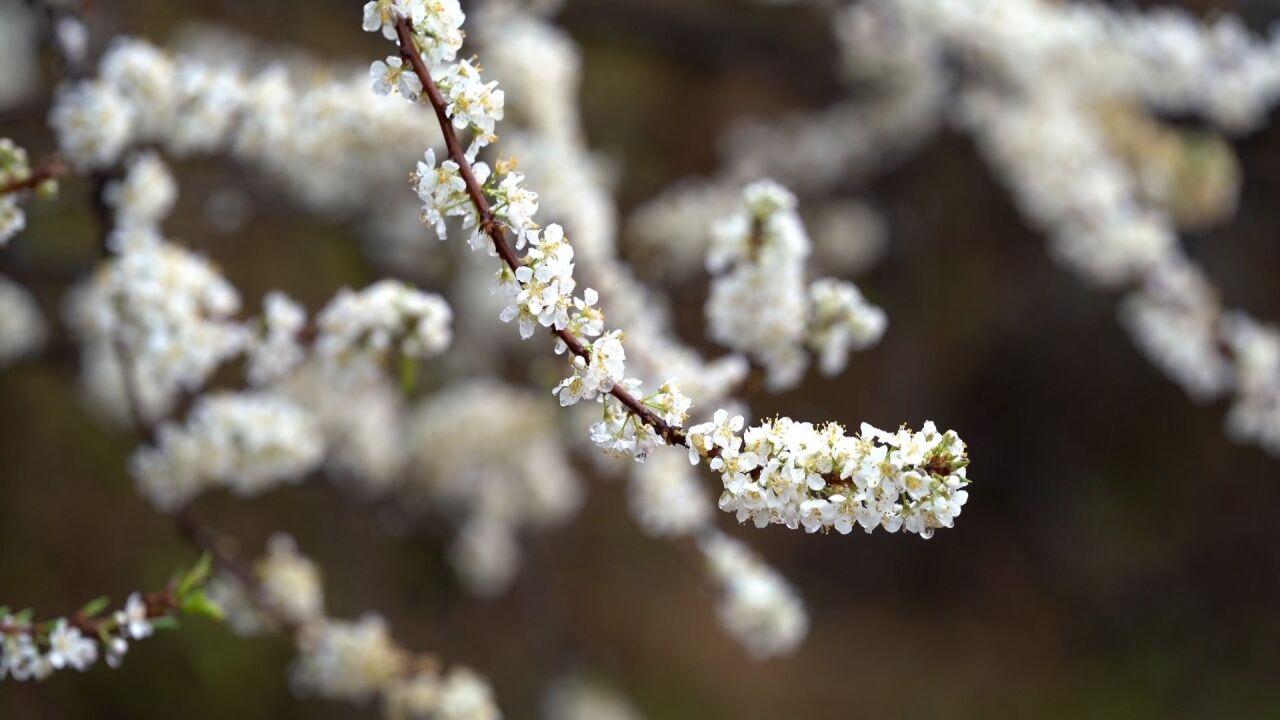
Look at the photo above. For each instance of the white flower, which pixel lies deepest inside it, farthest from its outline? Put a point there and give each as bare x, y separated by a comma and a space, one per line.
133, 620
759, 608
444, 193
841, 320
68, 648
247, 442
392, 74
346, 660
290, 581
92, 121
472, 103
147, 193
384, 315
758, 303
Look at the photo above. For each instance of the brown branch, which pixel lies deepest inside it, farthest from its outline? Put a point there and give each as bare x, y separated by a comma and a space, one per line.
494, 229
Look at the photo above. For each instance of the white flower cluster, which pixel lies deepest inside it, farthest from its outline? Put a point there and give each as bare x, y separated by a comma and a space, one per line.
361, 414
758, 302
384, 316
92, 120
491, 455
1174, 319
289, 582
797, 474
328, 142
274, 350
355, 660
622, 434
1055, 157
145, 196
346, 660
34, 652
758, 607
246, 442
437, 24
473, 104
22, 327
841, 320
14, 167
167, 311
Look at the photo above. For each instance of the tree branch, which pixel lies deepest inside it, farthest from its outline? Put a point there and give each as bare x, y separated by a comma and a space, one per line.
494, 229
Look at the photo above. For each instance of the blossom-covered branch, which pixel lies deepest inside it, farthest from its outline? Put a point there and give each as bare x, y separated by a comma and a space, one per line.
541, 285
33, 650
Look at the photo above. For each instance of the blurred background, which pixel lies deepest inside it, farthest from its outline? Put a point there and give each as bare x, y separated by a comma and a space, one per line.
1118, 556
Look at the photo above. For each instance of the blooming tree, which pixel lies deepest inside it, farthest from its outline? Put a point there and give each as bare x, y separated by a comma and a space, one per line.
221, 396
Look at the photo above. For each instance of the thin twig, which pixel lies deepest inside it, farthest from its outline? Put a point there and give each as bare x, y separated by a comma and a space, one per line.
494, 229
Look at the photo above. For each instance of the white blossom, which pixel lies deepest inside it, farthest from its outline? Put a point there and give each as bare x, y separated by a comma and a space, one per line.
147, 193
92, 120
385, 316
248, 443
758, 606
69, 648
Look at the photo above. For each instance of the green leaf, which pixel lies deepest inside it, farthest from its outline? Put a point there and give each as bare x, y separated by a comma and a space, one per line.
165, 623
95, 606
24, 616
196, 575
198, 603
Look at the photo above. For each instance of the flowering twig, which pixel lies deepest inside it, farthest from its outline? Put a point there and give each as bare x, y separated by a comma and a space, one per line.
51, 169
494, 229
89, 621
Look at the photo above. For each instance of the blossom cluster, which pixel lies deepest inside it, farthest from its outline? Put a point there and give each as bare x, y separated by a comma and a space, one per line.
757, 606
490, 455
319, 133
163, 310
759, 304
798, 474
14, 168
384, 313
246, 442
351, 660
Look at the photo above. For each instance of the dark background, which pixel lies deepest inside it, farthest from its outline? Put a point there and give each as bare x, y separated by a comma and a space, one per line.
1118, 557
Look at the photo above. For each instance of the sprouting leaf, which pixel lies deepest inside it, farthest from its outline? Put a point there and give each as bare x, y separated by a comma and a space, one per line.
95, 606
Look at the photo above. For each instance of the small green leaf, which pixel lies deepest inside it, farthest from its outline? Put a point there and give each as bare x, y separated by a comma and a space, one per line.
196, 575
95, 606
24, 616
165, 623
198, 603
